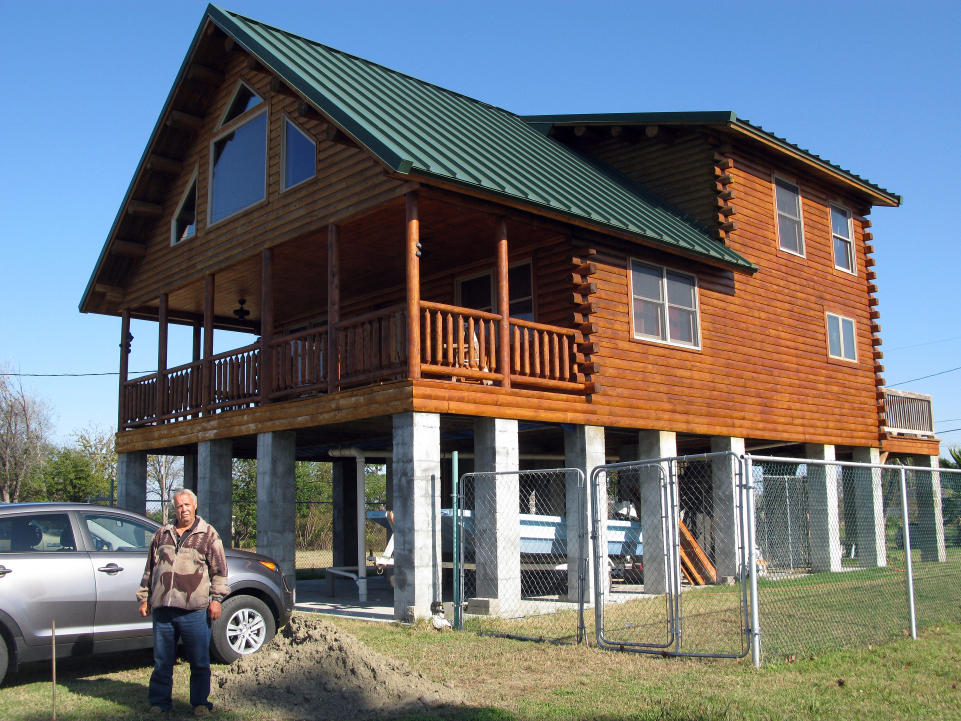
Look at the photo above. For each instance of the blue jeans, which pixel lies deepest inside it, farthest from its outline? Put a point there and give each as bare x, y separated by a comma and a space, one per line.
192, 628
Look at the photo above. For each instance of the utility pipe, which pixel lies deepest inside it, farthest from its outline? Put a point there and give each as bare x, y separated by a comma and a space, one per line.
361, 517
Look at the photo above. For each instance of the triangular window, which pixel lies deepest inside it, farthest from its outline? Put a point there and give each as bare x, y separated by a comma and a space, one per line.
300, 155
184, 223
244, 99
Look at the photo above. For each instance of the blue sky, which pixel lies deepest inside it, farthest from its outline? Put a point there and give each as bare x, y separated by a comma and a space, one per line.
871, 86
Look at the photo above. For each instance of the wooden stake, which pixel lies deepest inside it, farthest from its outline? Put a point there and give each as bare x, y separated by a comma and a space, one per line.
53, 644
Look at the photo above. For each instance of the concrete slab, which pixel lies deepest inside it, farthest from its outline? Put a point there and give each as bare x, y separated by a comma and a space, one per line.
313, 597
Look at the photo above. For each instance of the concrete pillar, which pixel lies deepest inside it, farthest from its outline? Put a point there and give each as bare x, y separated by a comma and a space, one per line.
417, 547
497, 536
864, 485
823, 509
725, 518
389, 485
215, 487
132, 481
583, 449
190, 472
930, 533
655, 444
276, 512
345, 511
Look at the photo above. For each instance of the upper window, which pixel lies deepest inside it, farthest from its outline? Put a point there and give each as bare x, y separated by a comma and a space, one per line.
790, 232
244, 99
238, 163
664, 304
299, 156
184, 223
843, 242
841, 337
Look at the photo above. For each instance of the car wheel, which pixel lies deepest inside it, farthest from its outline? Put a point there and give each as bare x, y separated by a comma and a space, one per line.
4, 658
244, 626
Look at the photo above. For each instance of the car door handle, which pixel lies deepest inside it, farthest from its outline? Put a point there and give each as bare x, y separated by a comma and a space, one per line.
4, 571
111, 568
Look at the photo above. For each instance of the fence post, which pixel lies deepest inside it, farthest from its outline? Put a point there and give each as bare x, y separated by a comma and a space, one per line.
455, 551
752, 560
908, 570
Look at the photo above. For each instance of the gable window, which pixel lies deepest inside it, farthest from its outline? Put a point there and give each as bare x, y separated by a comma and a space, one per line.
299, 156
479, 292
664, 304
184, 223
238, 158
842, 236
790, 232
841, 342
244, 99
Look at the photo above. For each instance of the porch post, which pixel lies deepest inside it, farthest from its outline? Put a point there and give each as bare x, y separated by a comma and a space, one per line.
503, 304
124, 366
413, 287
266, 324
161, 357
333, 306
196, 373
207, 388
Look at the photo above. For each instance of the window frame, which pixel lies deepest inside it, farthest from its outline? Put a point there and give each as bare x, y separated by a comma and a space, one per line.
665, 305
802, 252
854, 337
853, 269
231, 127
223, 123
192, 184
283, 154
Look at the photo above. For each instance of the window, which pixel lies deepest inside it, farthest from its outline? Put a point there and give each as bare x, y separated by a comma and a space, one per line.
184, 223
238, 157
479, 292
118, 534
841, 337
841, 233
300, 156
790, 232
36, 533
665, 304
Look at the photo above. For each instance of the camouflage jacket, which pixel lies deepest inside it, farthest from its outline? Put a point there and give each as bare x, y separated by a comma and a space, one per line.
185, 571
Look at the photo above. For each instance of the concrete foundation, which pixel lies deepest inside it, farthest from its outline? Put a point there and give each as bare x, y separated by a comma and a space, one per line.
863, 486
497, 537
345, 511
190, 472
930, 533
725, 516
132, 481
214, 487
416, 489
584, 450
276, 515
652, 445
823, 509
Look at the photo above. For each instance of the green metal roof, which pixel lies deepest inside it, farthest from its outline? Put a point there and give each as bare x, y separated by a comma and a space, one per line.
725, 118
419, 129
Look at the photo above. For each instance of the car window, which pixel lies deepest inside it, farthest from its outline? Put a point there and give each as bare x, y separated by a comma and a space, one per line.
37, 532
118, 534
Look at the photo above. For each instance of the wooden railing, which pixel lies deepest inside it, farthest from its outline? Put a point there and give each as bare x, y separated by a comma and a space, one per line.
908, 413
372, 347
456, 344
459, 342
299, 363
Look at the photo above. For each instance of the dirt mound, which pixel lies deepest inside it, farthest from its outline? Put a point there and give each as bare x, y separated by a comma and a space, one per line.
313, 670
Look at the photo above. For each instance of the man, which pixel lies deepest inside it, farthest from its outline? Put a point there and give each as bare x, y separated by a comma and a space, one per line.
183, 584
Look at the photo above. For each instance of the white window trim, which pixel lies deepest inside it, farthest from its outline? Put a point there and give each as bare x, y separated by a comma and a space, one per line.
853, 270
174, 240
777, 213
667, 327
235, 124
854, 329
223, 118
492, 274
283, 154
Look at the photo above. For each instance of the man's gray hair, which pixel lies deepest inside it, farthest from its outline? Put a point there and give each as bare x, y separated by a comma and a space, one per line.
183, 492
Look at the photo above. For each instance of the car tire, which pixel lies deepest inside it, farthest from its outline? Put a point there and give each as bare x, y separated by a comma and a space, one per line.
4, 658
244, 626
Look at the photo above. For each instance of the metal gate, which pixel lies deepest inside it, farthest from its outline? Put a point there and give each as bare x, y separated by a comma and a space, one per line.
670, 553
519, 551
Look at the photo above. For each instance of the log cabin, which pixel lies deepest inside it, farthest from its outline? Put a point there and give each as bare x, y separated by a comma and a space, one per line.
420, 273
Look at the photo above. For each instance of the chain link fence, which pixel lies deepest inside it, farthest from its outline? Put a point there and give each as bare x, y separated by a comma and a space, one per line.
521, 552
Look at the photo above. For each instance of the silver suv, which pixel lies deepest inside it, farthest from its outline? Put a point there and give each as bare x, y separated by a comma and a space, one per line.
80, 565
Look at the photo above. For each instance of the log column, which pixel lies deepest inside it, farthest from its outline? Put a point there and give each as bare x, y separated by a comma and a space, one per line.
413, 287
503, 304
125, 340
266, 324
333, 306
161, 357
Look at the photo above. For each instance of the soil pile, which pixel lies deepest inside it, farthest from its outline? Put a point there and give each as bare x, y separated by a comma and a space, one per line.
314, 671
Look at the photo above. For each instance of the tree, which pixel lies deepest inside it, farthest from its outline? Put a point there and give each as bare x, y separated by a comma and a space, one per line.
24, 427
69, 475
97, 446
954, 461
244, 471
951, 497
163, 474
